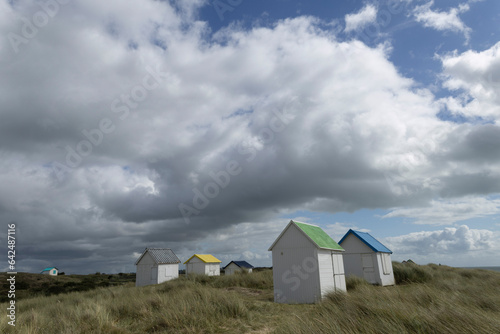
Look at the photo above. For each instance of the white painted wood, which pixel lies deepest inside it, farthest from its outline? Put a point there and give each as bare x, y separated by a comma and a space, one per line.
360, 260
197, 266
148, 272
302, 272
232, 268
386, 278
352, 244
368, 268
167, 272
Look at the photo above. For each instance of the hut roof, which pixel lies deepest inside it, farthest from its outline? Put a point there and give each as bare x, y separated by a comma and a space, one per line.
241, 264
207, 258
370, 241
49, 269
161, 256
313, 233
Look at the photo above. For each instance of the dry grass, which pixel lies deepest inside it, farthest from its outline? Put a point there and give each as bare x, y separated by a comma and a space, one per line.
30, 285
429, 299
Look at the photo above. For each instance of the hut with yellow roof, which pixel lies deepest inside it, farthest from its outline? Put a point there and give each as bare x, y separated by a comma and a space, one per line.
203, 264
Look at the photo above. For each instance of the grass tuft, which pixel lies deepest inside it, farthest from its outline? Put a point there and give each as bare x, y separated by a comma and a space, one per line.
405, 273
354, 282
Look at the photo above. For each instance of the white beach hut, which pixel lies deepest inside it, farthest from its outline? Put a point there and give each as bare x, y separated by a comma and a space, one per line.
155, 266
237, 266
203, 264
307, 264
367, 258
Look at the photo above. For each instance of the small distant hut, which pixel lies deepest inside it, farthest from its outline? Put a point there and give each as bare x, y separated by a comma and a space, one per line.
237, 266
307, 264
367, 258
52, 271
203, 264
156, 265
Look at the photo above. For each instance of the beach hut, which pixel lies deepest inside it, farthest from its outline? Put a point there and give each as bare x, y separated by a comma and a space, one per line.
52, 271
307, 264
155, 266
237, 266
367, 258
203, 264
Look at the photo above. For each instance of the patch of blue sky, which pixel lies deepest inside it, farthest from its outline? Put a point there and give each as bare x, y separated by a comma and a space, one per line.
445, 115
264, 12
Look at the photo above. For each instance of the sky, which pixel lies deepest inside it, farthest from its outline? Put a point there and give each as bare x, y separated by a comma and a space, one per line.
205, 126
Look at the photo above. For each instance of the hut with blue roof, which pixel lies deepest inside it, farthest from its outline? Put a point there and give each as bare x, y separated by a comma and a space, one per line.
368, 258
237, 266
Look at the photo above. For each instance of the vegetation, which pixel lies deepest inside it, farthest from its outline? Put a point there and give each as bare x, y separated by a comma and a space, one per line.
32, 285
427, 299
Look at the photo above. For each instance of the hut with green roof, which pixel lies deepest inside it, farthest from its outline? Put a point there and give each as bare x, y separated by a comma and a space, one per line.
307, 264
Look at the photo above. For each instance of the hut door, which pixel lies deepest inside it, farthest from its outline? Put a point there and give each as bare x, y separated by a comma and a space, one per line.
368, 268
338, 271
154, 274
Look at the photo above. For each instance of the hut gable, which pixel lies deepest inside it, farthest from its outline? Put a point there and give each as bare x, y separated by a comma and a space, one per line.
314, 237
307, 264
156, 265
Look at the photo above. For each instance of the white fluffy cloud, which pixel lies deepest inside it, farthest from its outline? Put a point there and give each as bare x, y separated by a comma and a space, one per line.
443, 21
454, 246
477, 75
359, 20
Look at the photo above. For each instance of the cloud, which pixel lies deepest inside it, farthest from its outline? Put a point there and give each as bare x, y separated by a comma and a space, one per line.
453, 246
147, 109
359, 20
445, 212
337, 230
443, 21
477, 75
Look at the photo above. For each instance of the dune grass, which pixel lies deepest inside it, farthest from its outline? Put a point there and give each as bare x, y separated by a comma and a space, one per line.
30, 285
427, 299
